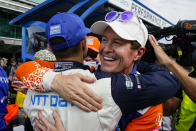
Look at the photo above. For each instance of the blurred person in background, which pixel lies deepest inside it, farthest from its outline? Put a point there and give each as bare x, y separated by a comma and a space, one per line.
4, 86
19, 61
13, 69
186, 114
13, 66
6, 66
7, 112
4, 63
20, 96
22, 89
1, 62
92, 59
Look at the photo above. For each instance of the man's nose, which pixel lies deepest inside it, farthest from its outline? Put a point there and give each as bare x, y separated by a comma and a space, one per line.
107, 47
88, 58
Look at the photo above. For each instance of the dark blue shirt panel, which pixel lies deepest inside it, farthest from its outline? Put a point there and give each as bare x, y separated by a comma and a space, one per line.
144, 67
156, 87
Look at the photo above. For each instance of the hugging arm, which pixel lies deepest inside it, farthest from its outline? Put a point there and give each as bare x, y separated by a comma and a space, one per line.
155, 88
71, 87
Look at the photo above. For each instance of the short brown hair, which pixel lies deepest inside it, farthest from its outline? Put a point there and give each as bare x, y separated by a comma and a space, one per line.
135, 45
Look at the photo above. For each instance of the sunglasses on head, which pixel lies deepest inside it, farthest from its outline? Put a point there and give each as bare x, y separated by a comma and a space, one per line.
122, 16
92, 54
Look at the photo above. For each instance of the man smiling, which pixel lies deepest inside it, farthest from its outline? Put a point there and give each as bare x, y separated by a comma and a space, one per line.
122, 93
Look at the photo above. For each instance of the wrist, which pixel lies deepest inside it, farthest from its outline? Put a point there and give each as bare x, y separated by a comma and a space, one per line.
54, 83
48, 80
170, 64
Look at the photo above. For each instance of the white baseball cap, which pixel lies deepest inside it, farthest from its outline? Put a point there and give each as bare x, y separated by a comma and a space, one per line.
132, 29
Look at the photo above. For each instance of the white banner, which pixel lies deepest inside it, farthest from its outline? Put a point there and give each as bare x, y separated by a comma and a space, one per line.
123, 4
148, 15
142, 12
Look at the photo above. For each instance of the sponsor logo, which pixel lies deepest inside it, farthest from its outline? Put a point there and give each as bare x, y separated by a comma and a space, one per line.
49, 100
89, 41
3, 99
3, 80
128, 82
159, 119
55, 29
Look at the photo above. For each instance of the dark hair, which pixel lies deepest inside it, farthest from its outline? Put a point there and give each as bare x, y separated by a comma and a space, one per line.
66, 52
13, 59
135, 45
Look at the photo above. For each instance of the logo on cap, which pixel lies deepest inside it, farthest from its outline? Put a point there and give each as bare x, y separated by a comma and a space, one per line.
55, 29
90, 41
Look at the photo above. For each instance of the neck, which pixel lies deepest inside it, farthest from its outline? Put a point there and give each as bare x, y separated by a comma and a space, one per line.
128, 70
77, 58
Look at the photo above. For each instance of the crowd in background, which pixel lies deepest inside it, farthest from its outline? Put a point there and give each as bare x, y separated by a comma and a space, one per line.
10, 66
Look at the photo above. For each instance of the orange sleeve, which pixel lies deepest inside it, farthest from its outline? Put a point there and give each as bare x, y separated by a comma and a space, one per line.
32, 72
12, 113
150, 121
46, 63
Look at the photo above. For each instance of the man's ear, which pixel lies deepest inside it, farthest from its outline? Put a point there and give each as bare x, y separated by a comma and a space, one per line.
84, 44
84, 47
140, 53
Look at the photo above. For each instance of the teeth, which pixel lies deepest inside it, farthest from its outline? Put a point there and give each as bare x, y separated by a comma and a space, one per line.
108, 58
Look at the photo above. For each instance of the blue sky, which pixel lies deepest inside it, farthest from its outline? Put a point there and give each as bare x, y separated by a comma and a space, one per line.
173, 10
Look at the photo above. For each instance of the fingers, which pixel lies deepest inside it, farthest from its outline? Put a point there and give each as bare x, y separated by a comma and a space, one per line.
58, 122
158, 50
45, 125
19, 86
18, 89
81, 106
43, 119
17, 83
86, 79
56, 117
73, 89
90, 96
85, 97
162, 58
83, 103
152, 40
39, 126
78, 101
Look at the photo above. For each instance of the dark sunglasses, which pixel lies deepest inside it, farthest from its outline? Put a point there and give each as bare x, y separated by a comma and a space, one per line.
92, 54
